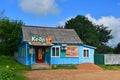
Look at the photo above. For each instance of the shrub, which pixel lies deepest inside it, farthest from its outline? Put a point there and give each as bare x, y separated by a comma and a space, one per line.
8, 73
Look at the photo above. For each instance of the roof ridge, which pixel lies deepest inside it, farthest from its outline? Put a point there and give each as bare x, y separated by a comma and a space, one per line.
45, 27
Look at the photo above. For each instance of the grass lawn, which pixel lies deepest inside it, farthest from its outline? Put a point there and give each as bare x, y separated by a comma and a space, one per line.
64, 67
20, 69
110, 67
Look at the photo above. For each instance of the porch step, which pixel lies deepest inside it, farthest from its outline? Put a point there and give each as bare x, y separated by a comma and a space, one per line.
41, 66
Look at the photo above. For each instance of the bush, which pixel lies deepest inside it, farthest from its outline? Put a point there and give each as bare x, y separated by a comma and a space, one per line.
8, 74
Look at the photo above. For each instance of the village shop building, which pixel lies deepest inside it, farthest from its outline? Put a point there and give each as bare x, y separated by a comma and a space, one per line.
52, 46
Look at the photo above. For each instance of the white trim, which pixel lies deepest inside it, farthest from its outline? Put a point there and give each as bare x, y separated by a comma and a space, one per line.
88, 53
55, 51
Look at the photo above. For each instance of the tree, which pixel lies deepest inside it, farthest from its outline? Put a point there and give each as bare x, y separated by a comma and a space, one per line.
117, 49
9, 35
90, 34
104, 33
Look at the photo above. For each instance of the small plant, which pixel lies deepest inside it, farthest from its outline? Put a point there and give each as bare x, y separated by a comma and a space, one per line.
8, 74
64, 66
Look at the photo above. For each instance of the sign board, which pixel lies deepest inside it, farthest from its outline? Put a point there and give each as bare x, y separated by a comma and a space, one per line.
38, 40
72, 51
31, 50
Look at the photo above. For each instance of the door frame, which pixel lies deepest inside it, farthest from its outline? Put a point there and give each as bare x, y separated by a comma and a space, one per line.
42, 55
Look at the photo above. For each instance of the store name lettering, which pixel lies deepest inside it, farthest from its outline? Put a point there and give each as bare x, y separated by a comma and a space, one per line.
38, 39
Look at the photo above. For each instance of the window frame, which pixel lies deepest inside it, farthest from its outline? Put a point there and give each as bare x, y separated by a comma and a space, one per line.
86, 55
55, 47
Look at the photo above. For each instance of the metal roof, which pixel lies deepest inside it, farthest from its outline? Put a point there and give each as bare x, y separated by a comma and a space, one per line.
57, 35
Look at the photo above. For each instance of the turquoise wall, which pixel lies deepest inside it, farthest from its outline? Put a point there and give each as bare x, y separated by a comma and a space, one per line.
47, 55
47, 52
86, 60
31, 58
74, 60
63, 59
63, 53
23, 58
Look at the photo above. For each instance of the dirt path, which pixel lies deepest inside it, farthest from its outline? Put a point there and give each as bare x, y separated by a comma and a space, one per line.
72, 75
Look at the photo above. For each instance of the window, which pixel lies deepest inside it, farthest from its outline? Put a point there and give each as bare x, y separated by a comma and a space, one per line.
55, 51
86, 53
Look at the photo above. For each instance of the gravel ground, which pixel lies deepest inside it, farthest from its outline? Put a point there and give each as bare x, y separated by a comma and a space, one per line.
86, 71
72, 75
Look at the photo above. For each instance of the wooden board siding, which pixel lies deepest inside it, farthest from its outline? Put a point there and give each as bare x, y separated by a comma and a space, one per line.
63, 53
86, 60
47, 52
22, 56
74, 60
64, 60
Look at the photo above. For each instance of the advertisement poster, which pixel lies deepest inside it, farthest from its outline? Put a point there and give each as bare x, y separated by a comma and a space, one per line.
72, 51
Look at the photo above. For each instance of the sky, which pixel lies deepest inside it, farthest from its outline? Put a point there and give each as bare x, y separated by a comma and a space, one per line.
51, 13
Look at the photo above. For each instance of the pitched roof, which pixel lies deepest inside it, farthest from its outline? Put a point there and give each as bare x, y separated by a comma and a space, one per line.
57, 35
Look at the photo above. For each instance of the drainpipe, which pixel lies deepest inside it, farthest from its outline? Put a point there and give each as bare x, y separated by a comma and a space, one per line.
50, 57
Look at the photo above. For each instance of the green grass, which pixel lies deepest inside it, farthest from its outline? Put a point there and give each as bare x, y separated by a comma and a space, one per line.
64, 67
20, 69
110, 67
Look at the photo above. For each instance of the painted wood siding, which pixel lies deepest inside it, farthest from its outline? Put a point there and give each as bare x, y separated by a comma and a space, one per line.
62, 53
63, 59
82, 59
22, 57
47, 55
31, 56
74, 60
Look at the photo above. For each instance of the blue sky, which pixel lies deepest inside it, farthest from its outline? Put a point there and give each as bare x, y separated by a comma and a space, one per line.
57, 12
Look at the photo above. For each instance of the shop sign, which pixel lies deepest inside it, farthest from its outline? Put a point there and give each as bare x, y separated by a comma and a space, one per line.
38, 39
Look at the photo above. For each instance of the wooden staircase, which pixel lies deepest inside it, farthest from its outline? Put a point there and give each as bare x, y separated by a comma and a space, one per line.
41, 66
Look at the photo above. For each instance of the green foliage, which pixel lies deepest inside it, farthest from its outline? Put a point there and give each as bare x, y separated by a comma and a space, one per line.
90, 34
110, 67
19, 68
104, 49
9, 35
8, 74
64, 67
104, 33
117, 49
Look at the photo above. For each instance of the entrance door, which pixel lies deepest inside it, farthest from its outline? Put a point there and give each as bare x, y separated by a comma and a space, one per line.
39, 55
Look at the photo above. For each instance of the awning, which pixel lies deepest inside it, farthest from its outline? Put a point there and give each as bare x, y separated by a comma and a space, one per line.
39, 44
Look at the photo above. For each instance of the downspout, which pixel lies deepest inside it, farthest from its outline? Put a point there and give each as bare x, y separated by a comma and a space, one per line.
50, 56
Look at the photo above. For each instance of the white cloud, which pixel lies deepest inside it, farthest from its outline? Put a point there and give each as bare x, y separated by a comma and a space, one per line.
39, 7
62, 23
112, 23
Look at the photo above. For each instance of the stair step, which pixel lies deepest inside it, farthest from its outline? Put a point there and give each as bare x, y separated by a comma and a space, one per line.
41, 66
